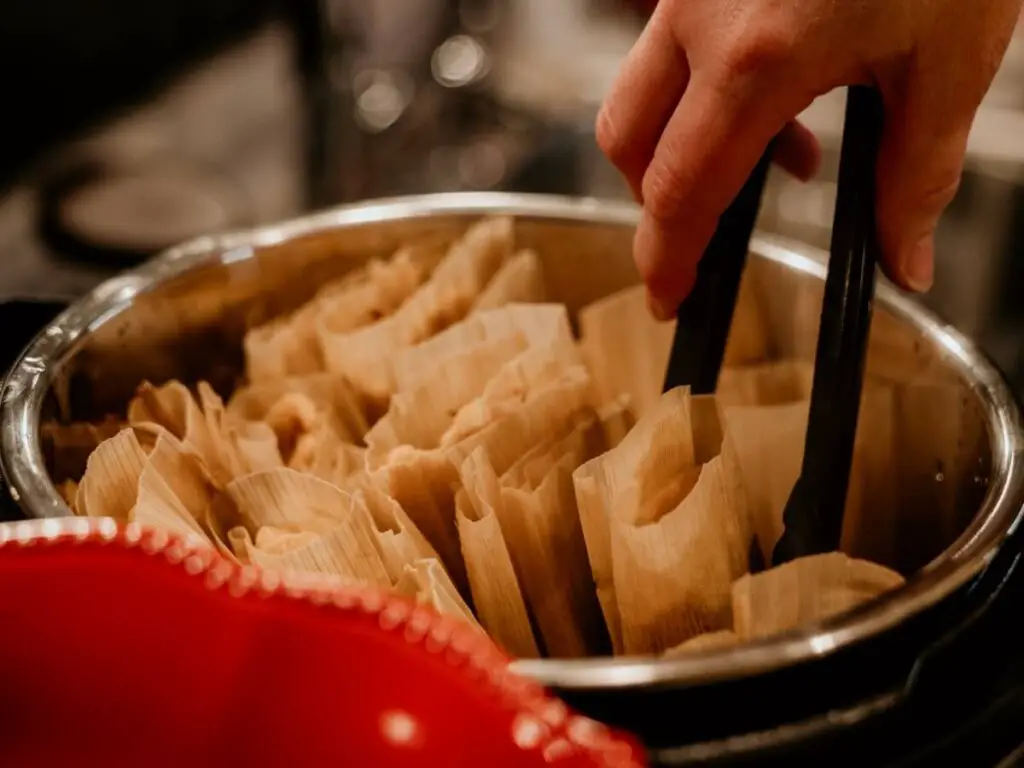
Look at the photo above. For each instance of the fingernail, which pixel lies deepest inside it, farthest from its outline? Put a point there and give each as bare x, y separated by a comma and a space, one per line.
662, 310
918, 269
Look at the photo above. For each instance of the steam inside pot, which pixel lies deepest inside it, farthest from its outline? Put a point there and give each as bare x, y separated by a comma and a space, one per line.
431, 423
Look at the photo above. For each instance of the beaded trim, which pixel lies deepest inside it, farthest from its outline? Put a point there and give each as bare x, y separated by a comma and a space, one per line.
541, 723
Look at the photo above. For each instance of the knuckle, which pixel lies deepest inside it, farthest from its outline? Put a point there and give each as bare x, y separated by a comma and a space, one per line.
664, 191
917, 194
769, 49
672, 189
943, 188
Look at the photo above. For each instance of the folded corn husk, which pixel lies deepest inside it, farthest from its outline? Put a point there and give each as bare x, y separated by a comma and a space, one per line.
803, 591
315, 527
461, 412
292, 407
363, 355
226, 447
401, 543
322, 453
625, 348
711, 641
534, 505
427, 582
436, 379
905, 461
166, 488
499, 600
290, 347
666, 536
520, 280
538, 324
420, 416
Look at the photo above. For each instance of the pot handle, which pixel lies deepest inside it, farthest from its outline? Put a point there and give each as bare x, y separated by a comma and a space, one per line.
21, 319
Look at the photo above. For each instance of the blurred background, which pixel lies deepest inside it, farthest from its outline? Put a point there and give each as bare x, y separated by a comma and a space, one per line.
129, 125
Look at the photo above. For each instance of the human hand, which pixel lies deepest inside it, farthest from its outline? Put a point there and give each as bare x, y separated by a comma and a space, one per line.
711, 82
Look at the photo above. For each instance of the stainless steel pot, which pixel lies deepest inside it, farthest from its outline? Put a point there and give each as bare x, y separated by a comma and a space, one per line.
184, 313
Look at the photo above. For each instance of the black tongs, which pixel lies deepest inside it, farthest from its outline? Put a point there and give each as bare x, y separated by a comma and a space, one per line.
703, 320
813, 515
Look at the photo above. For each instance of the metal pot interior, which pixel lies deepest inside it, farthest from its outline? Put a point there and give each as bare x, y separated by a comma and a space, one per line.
184, 314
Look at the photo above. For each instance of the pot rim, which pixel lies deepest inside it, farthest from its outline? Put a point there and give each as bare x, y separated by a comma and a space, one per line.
22, 463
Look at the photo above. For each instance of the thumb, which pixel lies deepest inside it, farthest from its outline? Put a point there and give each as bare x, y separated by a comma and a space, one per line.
919, 167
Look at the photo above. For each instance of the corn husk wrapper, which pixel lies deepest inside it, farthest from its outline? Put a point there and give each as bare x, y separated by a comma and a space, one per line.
283, 497
538, 528
765, 445
289, 346
240, 542
539, 325
628, 350
422, 480
666, 536
364, 356
293, 407
909, 473
157, 490
173, 408
238, 447
427, 583
499, 601
419, 417
157, 506
534, 369
437, 378
520, 280
382, 289
323, 454
220, 518
711, 641
399, 541
314, 526
806, 590
625, 348
226, 447
282, 348
540, 522
346, 551
110, 485
703, 538
507, 531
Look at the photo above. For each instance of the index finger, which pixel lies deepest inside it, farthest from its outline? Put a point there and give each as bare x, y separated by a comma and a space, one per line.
708, 149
